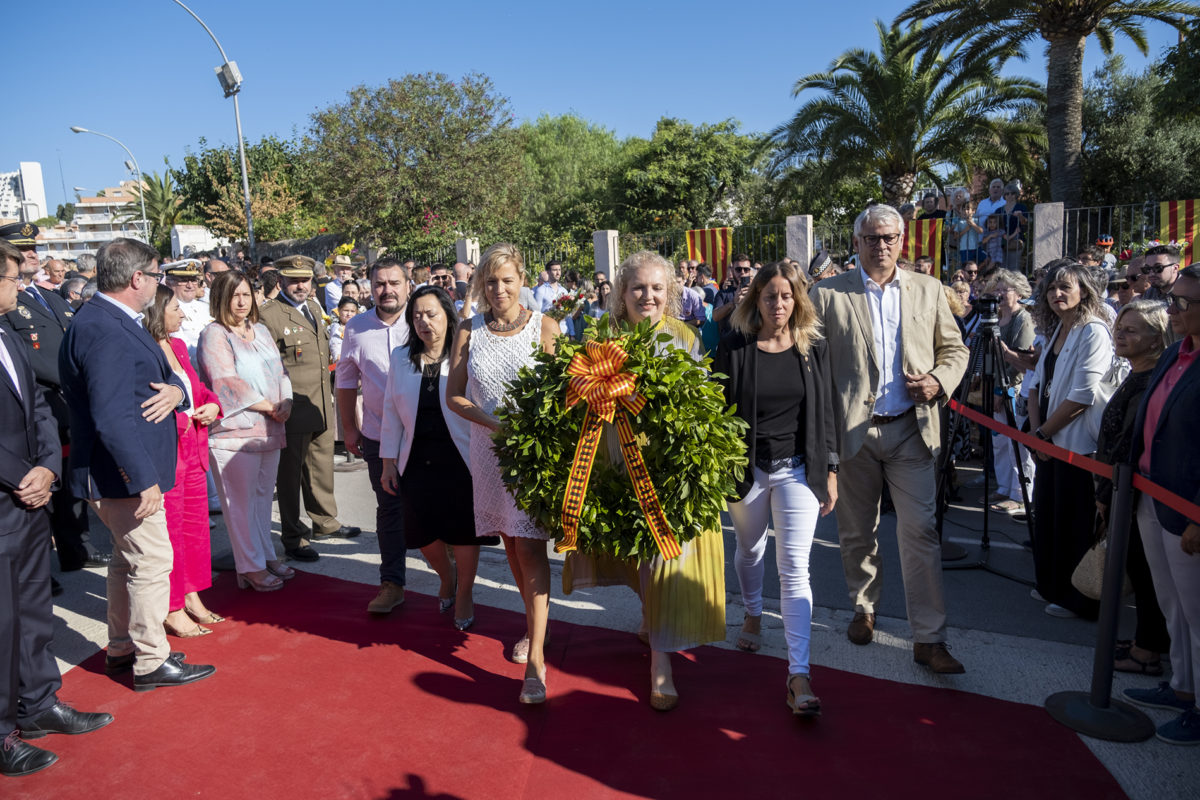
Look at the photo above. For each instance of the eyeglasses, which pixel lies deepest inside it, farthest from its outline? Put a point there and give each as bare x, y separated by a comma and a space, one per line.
158, 277
1179, 301
1157, 269
744, 270
440, 278
886, 238
14, 278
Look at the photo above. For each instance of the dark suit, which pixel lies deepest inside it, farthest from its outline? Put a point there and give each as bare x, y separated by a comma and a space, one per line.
306, 464
42, 331
29, 677
108, 362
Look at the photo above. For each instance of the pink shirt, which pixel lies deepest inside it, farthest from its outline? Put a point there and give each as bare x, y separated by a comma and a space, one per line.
366, 356
1158, 400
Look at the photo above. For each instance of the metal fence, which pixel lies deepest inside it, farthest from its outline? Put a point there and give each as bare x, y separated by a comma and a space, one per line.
1128, 224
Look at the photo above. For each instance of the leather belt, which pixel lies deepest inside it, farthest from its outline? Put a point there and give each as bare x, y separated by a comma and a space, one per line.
879, 419
773, 465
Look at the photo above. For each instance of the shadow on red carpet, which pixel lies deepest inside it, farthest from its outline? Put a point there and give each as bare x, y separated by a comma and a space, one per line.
312, 698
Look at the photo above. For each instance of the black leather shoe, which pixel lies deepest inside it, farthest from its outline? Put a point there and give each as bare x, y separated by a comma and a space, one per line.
304, 553
18, 758
55, 590
344, 532
115, 665
172, 672
64, 719
98, 559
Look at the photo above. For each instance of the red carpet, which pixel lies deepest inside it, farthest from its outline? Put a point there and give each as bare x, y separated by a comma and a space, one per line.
314, 699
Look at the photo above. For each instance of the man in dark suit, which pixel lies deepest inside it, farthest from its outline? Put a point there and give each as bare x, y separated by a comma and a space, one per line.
120, 389
306, 463
40, 320
30, 462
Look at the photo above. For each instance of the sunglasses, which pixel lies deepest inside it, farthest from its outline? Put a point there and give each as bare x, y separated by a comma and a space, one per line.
1157, 269
1179, 301
886, 238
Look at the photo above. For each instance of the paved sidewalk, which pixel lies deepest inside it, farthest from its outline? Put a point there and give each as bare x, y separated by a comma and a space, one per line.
1011, 649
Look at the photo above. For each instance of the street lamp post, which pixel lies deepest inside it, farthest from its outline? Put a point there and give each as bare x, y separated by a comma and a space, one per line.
136, 169
230, 79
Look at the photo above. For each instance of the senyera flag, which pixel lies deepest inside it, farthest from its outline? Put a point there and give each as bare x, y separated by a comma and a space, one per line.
923, 237
713, 246
1177, 223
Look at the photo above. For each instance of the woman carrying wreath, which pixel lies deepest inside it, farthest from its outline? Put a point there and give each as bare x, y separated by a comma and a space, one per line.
683, 599
778, 378
489, 349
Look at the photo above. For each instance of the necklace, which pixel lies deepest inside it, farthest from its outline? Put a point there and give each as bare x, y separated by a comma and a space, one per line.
504, 327
431, 371
244, 332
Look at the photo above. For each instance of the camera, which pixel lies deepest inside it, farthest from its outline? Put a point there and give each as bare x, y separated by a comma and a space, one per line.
988, 308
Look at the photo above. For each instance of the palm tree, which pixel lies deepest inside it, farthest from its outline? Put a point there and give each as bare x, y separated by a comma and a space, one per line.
906, 111
1065, 25
163, 208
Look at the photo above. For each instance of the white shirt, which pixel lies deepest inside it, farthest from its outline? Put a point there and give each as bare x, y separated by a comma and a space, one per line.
365, 359
195, 319
136, 316
883, 303
987, 207
333, 296
547, 293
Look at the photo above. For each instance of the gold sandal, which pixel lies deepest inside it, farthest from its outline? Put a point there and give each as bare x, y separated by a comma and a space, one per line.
803, 705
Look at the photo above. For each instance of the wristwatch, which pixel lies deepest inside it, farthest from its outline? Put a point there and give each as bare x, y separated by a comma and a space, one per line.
1038, 433
833, 468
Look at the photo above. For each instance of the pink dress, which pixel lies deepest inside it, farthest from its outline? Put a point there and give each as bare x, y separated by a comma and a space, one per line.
186, 505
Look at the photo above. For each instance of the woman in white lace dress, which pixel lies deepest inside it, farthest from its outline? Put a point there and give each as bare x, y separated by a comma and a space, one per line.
489, 349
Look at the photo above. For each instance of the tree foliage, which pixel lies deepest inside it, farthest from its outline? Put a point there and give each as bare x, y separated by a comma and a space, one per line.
1179, 94
1065, 25
65, 212
164, 207
906, 113
683, 176
210, 184
415, 161
1130, 152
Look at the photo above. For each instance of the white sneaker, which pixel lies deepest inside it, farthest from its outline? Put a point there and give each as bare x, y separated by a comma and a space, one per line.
1055, 610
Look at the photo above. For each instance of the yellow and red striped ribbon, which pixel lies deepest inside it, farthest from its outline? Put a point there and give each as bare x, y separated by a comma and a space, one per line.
1177, 223
597, 379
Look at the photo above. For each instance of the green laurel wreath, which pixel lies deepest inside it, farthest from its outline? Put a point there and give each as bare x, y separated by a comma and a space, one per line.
691, 443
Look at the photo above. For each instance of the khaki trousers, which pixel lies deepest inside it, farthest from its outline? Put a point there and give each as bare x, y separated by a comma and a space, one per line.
895, 453
139, 582
306, 467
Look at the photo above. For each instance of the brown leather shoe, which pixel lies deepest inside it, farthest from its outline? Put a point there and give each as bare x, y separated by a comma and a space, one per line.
390, 595
937, 657
862, 628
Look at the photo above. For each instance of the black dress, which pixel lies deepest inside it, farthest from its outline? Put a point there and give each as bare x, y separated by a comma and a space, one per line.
436, 484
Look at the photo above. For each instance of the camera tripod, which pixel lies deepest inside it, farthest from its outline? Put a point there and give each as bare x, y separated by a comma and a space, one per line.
987, 354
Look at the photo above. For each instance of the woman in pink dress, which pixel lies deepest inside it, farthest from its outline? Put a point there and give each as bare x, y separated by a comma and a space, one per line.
186, 504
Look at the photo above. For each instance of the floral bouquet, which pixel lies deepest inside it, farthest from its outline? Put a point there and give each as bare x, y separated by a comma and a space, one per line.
680, 444
1139, 248
566, 305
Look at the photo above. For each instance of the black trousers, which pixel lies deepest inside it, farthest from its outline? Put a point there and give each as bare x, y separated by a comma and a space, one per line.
69, 523
29, 676
1064, 518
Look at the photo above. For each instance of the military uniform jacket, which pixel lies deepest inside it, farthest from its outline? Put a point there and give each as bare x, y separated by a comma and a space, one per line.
305, 355
42, 333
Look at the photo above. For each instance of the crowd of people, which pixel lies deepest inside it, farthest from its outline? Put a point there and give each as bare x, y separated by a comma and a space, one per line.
192, 386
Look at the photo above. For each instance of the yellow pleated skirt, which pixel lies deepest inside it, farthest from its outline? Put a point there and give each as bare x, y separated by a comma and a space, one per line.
683, 599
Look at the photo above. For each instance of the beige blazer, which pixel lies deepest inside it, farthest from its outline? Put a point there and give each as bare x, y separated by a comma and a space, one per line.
930, 342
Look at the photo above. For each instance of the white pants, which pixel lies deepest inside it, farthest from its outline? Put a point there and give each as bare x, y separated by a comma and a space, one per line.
245, 484
1008, 480
785, 496
1177, 583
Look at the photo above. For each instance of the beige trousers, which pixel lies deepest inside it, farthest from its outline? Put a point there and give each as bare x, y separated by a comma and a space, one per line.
895, 453
139, 582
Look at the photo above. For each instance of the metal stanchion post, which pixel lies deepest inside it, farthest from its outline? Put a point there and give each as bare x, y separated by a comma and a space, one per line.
1095, 713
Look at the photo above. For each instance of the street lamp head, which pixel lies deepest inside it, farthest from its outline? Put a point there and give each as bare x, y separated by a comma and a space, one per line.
78, 129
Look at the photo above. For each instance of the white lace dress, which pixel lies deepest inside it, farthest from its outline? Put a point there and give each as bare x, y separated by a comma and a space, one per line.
493, 361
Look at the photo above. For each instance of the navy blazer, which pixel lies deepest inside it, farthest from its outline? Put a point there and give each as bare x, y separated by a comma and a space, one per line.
28, 437
1174, 455
107, 364
737, 359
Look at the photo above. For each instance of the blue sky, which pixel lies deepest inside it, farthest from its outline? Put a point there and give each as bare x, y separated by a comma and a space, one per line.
143, 72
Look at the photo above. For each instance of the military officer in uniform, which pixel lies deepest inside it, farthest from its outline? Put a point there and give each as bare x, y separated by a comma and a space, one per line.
306, 463
40, 320
183, 278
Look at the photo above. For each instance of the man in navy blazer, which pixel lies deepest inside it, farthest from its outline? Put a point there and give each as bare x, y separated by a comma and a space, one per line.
30, 462
120, 390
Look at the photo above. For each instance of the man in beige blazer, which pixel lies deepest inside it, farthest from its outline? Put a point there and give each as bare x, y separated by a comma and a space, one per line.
896, 355
306, 463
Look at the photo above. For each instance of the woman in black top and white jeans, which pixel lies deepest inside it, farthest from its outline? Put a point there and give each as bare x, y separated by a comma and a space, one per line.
777, 376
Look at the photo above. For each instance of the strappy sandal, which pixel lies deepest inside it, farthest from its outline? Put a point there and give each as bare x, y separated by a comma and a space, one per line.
1125, 661
803, 705
211, 619
749, 642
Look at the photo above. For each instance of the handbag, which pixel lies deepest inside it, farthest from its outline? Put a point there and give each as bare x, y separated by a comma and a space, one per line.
1088, 576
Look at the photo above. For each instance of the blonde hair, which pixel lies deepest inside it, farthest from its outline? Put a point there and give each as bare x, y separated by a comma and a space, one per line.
1009, 278
632, 263
803, 322
956, 304
493, 258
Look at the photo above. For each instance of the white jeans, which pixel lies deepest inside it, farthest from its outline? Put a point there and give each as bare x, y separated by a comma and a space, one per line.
785, 496
245, 484
1176, 578
1008, 480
